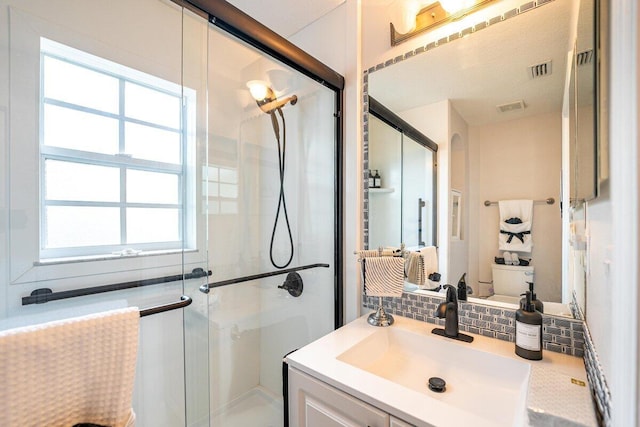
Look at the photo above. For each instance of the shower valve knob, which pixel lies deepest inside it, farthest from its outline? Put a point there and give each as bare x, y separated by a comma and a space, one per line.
293, 284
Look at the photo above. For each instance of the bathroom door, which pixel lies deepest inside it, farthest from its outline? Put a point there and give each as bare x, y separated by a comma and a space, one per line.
271, 190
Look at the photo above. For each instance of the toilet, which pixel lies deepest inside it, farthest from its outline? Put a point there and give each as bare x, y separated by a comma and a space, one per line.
510, 281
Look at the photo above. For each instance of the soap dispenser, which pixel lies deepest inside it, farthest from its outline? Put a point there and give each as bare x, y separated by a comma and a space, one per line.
372, 181
528, 331
376, 180
462, 288
537, 304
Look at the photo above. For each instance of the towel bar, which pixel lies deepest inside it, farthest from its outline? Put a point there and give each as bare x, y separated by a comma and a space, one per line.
184, 301
548, 201
207, 286
43, 295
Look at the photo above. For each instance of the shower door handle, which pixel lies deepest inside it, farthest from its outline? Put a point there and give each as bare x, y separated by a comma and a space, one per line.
421, 204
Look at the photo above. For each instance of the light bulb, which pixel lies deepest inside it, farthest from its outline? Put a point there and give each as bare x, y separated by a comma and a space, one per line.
454, 6
404, 15
259, 89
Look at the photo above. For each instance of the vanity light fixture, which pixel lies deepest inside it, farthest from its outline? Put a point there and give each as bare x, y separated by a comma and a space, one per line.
434, 14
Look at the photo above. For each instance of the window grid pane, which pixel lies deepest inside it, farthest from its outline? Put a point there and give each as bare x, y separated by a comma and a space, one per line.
78, 226
79, 85
80, 182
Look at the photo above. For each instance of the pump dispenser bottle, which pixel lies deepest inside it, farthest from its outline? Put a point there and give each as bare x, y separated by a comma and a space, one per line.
537, 304
529, 331
462, 288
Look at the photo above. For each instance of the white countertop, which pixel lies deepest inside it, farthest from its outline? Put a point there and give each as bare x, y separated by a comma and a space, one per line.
558, 393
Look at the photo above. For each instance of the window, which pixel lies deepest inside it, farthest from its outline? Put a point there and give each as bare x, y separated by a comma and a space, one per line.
112, 157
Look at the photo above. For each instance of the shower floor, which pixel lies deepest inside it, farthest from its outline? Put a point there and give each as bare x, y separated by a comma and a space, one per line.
257, 407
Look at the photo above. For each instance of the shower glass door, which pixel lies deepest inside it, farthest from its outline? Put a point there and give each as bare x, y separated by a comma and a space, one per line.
102, 133
270, 191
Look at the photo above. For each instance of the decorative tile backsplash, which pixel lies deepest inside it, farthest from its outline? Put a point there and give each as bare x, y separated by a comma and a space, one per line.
559, 335
597, 381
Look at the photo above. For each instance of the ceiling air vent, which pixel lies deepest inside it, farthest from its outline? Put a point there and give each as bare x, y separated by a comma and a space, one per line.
540, 70
585, 57
511, 106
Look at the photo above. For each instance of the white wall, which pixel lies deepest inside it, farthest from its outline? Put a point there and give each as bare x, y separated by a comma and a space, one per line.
517, 159
612, 222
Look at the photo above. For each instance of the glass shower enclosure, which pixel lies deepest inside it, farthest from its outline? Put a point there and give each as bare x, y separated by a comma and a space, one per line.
139, 170
270, 197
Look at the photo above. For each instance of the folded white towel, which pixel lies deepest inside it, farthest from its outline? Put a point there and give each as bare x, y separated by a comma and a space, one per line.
430, 256
78, 370
414, 268
383, 276
515, 237
371, 253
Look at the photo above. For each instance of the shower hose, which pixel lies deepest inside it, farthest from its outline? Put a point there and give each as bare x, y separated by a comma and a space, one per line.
282, 203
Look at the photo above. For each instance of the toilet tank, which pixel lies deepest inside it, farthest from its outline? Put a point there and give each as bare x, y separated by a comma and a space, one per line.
511, 279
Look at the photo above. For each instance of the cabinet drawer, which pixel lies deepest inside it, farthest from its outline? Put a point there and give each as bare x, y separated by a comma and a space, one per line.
395, 422
313, 403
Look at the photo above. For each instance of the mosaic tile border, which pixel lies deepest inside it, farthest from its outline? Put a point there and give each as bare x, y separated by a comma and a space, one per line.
558, 334
597, 381
365, 90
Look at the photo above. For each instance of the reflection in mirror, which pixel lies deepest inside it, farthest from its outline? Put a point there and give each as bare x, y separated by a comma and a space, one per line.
583, 178
385, 206
418, 194
401, 187
502, 93
456, 210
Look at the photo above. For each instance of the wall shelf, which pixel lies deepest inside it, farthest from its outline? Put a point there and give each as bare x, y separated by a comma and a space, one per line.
381, 190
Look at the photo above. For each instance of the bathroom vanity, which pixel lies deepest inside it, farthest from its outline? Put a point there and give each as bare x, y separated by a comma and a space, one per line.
375, 377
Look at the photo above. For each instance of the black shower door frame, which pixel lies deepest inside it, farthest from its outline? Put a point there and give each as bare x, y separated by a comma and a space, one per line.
240, 25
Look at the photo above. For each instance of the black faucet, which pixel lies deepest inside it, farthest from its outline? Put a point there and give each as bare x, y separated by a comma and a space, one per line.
449, 311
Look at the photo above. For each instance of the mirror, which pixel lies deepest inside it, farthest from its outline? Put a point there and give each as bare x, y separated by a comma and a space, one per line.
501, 92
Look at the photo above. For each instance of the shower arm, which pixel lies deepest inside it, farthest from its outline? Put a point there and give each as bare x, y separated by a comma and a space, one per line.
271, 106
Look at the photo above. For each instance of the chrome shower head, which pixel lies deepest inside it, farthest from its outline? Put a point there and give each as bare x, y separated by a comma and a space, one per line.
266, 98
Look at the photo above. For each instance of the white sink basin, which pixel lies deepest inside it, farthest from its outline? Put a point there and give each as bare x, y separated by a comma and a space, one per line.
487, 386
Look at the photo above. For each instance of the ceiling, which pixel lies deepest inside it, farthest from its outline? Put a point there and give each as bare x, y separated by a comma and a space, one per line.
486, 69
286, 17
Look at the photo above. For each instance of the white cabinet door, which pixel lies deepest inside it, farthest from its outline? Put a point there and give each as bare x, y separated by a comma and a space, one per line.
313, 403
395, 422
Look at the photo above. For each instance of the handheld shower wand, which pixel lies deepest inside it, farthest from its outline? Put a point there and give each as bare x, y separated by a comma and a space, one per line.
268, 103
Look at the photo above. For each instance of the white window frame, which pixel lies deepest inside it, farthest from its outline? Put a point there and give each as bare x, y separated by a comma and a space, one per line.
186, 237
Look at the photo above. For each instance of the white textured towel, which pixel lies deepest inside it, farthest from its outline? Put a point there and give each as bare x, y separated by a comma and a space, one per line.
383, 276
78, 370
509, 238
414, 268
371, 253
430, 256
